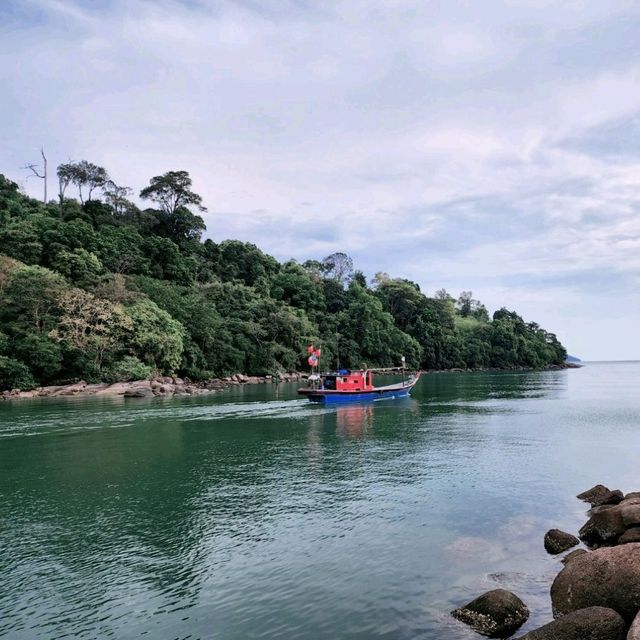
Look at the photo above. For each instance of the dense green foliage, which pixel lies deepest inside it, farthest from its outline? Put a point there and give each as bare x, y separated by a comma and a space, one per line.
101, 290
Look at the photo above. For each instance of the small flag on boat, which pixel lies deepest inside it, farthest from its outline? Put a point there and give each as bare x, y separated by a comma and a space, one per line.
310, 349
313, 360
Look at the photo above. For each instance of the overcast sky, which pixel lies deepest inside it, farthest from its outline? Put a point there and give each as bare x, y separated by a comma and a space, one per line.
485, 146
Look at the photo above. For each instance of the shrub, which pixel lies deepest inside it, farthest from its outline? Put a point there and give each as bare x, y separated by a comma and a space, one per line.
15, 375
129, 368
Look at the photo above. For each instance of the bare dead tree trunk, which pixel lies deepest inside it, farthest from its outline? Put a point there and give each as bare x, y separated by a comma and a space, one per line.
35, 172
45, 174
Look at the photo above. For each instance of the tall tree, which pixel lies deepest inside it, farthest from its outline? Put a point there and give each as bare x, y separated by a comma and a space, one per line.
338, 266
90, 175
118, 197
467, 306
66, 173
81, 174
171, 191
91, 325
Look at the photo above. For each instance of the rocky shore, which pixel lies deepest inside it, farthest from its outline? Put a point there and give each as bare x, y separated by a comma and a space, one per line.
596, 596
163, 386
171, 386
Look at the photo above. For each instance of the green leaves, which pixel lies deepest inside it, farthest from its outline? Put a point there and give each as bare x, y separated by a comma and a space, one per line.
155, 337
105, 291
15, 375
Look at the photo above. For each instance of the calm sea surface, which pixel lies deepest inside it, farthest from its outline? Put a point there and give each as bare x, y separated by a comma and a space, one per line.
252, 514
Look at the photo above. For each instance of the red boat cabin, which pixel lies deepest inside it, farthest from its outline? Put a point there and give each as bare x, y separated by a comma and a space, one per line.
351, 381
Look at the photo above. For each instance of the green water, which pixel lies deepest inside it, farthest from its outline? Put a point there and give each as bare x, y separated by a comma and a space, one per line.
252, 514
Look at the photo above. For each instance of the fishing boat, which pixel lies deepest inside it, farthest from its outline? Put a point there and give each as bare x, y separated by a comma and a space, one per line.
349, 385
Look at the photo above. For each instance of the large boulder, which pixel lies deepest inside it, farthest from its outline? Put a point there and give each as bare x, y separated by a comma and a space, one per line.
497, 614
634, 630
611, 497
630, 512
139, 392
603, 527
557, 541
116, 389
593, 494
592, 623
630, 535
574, 554
71, 389
607, 577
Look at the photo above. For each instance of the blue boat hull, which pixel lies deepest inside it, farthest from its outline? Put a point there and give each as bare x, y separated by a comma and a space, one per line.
340, 398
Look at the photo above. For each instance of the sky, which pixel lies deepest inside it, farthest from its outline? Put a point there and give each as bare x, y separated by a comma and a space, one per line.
471, 145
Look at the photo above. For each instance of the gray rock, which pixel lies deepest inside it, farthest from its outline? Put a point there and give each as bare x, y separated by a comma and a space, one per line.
140, 392
574, 554
592, 494
603, 527
633, 494
116, 389
557, 541
592, 623
497, 614
604, 507
634, 630
607, 577
630, 535
630, 512
612, 497
71, 389
91, 389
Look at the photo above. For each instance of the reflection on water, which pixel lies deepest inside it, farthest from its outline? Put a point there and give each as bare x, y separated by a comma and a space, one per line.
354, 421
251, 514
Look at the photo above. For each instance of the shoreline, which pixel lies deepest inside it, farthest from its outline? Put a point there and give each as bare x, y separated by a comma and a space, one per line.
168, 386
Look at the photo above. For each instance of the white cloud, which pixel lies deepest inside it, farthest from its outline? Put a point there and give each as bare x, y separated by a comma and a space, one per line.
438, 141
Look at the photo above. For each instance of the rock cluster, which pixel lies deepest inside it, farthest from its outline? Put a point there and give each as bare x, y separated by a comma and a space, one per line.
614, 521
156, 387
596, 596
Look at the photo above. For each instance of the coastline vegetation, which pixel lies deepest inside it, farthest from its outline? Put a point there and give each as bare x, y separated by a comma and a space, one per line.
99, 289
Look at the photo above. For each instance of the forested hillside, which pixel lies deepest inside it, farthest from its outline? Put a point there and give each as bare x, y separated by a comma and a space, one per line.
95, 288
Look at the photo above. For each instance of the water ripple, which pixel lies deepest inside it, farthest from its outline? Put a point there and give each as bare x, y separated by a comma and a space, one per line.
251, 515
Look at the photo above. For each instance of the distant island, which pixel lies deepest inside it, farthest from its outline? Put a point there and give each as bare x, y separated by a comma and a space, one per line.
95, 288
572, 360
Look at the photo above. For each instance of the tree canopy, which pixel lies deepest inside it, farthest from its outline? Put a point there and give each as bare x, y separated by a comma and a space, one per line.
99, 289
